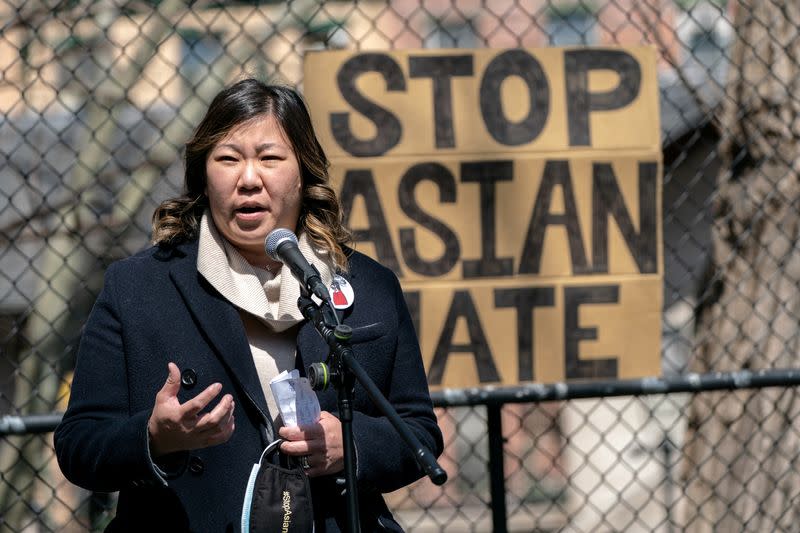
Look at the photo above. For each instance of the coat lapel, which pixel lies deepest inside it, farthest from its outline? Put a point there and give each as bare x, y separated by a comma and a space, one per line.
311, 348
220, 322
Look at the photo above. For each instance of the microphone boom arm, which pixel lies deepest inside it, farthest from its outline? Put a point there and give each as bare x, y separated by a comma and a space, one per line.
341, 368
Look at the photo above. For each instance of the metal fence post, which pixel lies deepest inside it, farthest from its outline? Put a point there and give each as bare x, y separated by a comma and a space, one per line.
497, 480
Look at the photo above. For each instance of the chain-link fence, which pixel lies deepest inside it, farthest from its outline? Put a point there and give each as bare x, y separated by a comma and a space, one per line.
97, 97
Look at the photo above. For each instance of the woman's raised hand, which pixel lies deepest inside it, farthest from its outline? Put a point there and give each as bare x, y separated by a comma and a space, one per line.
175, 426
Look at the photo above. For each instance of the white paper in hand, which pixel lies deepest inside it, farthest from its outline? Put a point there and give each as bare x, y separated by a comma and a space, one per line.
297, 403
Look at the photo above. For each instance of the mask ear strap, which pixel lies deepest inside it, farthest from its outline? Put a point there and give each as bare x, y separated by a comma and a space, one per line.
271, 448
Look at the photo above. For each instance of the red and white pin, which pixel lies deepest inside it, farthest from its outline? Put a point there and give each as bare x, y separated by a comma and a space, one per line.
341, 292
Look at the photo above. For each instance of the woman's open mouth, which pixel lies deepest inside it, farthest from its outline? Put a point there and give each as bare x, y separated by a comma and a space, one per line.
249, 212
250, 209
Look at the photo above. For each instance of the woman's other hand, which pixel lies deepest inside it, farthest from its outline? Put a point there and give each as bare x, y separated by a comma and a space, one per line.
175, 426
321, 443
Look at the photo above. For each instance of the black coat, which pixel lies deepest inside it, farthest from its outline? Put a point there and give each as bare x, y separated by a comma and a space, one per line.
156, 308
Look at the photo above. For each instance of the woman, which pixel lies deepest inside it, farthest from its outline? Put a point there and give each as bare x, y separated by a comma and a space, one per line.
170, 402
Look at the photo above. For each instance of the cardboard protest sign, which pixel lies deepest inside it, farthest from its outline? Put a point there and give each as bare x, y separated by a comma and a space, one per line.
516, 193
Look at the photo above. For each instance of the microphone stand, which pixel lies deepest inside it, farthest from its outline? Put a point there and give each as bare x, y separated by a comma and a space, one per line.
342, 370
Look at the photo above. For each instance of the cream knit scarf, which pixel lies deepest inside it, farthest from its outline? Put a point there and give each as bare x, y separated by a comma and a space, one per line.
268, 306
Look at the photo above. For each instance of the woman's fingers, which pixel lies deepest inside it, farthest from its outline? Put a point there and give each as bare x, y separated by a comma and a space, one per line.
219, 434
296, 447
172, 385
190, 408
219, 417
293, 433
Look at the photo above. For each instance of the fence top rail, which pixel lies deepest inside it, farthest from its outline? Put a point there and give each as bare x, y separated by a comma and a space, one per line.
537, 392
28, 424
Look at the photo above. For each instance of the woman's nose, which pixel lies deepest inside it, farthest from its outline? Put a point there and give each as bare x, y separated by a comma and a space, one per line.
250, 178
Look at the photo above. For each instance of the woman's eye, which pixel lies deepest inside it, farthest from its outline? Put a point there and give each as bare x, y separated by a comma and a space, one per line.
226, 158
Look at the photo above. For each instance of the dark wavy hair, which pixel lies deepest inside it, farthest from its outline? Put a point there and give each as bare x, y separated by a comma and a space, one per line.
178, 219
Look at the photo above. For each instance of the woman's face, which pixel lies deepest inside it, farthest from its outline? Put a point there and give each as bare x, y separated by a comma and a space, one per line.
254, 185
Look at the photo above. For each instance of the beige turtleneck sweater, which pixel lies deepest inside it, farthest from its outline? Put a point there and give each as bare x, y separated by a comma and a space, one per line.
267, 306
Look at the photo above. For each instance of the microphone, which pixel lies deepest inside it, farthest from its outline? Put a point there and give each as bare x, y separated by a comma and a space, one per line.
281, 245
